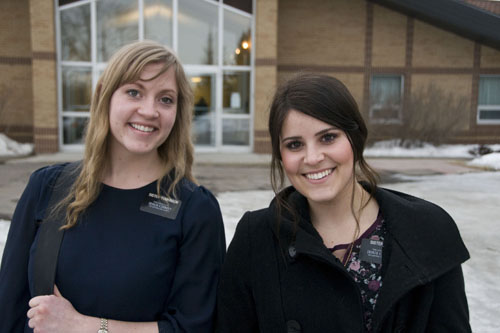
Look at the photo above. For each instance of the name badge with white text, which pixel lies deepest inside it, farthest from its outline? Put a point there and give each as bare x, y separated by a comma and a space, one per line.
160, 205
371, 250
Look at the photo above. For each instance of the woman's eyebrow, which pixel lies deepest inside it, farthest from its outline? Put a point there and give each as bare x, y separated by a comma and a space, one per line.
326, 130
291, 138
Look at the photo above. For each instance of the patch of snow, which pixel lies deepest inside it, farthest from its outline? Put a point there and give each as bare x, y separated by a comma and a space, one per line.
391, 148
9, 147
490, 161
4, 230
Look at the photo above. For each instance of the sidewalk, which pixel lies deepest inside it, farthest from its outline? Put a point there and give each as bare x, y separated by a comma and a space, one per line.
219, 172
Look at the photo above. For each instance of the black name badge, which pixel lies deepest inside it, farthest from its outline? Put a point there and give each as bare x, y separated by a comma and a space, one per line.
160, 205
371, 250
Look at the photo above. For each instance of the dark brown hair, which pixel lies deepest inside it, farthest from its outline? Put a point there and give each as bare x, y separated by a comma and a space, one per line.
327, 99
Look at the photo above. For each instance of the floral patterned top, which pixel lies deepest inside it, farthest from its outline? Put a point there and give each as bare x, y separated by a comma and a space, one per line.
366, 272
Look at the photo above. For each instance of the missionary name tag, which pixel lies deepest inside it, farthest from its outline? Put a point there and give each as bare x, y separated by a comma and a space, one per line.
371, 250
160, 205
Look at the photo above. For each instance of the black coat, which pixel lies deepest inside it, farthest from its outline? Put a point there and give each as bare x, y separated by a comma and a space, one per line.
286, 280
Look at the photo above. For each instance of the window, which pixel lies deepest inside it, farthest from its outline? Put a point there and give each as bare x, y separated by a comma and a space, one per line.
488, 108
386, 98
213, 39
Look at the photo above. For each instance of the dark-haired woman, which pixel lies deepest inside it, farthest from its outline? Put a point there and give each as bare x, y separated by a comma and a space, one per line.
334, 252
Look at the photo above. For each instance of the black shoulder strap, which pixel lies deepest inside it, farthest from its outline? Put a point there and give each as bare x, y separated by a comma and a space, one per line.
49, 235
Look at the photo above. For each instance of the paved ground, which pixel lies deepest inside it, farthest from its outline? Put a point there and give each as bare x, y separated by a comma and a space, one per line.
217, 172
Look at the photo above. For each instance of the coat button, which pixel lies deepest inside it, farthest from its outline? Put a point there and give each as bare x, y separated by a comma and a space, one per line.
292, 326
292, 252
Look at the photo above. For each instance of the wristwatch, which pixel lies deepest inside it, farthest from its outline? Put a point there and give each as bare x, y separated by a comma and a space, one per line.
104, 326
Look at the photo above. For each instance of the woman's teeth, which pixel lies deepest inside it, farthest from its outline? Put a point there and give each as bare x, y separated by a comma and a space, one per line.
319, 175
142, 128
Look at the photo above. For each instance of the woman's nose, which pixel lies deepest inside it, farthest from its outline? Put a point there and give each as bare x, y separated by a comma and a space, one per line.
148, 108
313, 156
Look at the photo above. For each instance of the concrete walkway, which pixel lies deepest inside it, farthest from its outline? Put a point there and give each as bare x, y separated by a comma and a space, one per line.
219, 172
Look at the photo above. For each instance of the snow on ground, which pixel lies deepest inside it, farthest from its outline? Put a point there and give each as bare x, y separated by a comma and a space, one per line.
4, 228
9, 147
472, 199
491, 161
391, 148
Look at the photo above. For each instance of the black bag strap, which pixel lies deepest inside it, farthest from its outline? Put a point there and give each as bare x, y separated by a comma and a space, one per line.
49, 234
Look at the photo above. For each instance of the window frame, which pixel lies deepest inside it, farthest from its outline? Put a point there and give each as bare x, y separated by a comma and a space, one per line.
218, 69
486, 107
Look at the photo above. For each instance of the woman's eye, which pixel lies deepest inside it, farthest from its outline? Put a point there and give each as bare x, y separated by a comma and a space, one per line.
328, 137
133, 92
166, 100
294, 145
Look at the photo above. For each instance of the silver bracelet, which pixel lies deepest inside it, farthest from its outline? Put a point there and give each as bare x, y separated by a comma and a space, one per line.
104, 326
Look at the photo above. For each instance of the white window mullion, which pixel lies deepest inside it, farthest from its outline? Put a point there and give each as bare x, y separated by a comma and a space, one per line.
59, 75
140, 4
93, 43
219, 78
252, 77
175, 26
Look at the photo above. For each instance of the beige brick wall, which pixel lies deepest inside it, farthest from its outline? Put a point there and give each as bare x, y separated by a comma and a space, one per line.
265, 74
15, 28
15, 95
490, 58
434, 47
389, 37
456, 85
16, 99
44, 76
266, 32
321, 32
264, 94
353, 82
42, 26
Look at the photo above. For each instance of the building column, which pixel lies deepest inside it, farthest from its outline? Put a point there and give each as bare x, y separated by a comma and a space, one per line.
43, 46
266, 73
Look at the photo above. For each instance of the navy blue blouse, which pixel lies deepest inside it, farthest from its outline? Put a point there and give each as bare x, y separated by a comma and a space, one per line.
119, 262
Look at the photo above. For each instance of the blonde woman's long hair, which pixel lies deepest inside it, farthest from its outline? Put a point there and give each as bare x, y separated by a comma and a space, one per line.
176, 152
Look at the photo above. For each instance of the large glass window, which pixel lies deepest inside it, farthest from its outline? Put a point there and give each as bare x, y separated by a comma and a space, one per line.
117, 25
75, 37
236, 97
237, 39
385, 98
158, 21
77, 88
198, 32
204, 109
488, 109
213, 39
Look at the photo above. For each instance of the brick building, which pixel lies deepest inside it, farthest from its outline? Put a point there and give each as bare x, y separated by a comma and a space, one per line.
236, 52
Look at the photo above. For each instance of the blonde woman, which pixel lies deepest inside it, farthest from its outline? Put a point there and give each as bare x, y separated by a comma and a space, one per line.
126, 263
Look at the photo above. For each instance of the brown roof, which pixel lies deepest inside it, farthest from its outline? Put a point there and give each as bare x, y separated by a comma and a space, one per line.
488, 5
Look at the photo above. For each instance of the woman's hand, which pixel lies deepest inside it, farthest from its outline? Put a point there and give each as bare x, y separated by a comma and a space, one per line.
53, 313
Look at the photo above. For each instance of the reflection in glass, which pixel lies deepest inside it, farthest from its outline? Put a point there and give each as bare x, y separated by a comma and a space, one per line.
197, 32
204, 109
237, 39
73, 129
236, 97
236, 132
158, 21
76, 88
117, 25
75, 33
